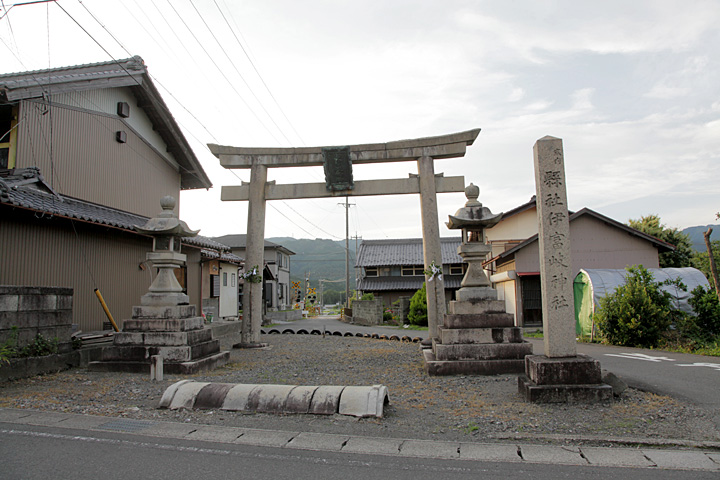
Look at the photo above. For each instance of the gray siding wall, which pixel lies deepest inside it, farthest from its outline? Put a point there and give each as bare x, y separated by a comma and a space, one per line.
47, 252
87, 163
595, 245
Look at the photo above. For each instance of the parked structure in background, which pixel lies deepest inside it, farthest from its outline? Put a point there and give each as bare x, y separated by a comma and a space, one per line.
221, 284
597, 241
108, 150
276, 288
391, 269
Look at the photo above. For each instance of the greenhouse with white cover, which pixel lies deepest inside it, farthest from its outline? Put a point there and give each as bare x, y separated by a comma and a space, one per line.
591, 285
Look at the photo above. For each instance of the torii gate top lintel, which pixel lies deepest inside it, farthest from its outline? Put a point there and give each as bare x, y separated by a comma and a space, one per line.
442, 146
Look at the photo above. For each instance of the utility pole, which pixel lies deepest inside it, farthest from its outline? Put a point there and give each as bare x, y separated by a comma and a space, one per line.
356, 249
347, 250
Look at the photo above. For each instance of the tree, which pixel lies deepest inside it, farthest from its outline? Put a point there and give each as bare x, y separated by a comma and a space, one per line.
701, 260
683, 253
706, 306
637, 313
418, 308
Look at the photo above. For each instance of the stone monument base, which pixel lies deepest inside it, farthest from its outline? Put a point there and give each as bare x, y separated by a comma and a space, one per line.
477, 338
173, 332
563, 380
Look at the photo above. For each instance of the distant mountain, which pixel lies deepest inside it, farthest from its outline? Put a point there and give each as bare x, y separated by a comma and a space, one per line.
319, 259
697, 238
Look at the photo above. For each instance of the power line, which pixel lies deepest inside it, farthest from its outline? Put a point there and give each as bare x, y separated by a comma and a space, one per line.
238, 72
258, 74
222, 73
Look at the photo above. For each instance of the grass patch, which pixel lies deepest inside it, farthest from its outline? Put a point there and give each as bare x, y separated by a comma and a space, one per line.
536, 334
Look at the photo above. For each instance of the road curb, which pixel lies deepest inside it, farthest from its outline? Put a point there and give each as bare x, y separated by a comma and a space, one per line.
699, 458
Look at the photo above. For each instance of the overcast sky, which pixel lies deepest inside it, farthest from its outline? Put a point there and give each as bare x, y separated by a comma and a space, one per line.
632, 88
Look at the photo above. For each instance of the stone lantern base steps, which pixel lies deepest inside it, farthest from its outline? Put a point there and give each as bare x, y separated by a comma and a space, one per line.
174, 332
477, 338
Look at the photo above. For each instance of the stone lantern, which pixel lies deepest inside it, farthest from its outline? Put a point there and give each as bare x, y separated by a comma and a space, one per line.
477, 337
167, 232
473, 219
164, 329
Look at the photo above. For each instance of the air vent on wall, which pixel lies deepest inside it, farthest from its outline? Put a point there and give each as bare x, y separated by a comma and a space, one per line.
123, 109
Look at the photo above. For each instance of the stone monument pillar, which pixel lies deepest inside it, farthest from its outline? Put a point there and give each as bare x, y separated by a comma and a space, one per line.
163, 324
477, 336
561, 375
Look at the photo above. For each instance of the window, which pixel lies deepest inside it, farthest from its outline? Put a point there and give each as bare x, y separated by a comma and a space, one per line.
456, 269
232, 279
371, 271
8, 135
214, 285
412, 270
224, 279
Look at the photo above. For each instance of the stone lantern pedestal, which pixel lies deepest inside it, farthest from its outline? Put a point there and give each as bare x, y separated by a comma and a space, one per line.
477, 335
164, 324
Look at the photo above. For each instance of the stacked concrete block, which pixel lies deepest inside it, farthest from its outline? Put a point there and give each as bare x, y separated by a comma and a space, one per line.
477, 338
174, 332
45, 311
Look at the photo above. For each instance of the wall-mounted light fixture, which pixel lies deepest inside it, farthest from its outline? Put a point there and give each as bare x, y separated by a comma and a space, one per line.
121, 136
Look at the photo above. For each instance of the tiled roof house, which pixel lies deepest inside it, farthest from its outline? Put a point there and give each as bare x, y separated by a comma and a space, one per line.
394, 268
86, 153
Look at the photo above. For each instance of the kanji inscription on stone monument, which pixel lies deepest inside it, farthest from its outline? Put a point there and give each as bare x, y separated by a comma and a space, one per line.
555, 259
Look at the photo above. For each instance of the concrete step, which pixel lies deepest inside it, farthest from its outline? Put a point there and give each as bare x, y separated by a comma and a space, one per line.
480, 335
482, 351
478, 306
478, 320
436, 367
131, 366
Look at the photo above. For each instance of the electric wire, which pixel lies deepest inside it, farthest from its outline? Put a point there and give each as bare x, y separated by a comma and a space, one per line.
220, 70
238, 72
258, 74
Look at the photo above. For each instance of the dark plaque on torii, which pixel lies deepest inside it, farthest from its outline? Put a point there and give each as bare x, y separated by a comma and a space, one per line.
338, 169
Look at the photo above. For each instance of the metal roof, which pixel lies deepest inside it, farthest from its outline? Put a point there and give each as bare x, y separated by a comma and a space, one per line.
414, 283
409, 251
25, 188
131, 73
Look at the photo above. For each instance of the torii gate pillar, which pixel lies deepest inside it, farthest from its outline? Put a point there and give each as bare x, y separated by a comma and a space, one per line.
338, 163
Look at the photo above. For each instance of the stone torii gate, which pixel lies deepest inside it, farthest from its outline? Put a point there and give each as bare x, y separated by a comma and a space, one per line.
337, 162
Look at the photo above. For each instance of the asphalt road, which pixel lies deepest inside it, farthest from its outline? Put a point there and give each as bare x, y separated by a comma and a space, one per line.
692, 378
34, 452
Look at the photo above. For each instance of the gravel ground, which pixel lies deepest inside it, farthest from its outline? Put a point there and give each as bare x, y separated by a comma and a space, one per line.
472, 408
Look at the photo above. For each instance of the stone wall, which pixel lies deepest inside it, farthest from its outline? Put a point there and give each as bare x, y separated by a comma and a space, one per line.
367, 312
282, 316
36, 310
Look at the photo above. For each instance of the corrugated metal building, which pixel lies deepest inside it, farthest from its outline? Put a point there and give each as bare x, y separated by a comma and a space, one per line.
108, 150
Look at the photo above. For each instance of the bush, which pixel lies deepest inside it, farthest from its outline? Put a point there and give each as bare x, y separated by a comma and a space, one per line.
706, 305
637, 313
418, 308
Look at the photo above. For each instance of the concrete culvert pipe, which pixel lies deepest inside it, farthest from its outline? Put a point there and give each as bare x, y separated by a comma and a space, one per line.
288, 331
315, 332
364, 401
274, 331
394, 338
302, 331
348, 334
